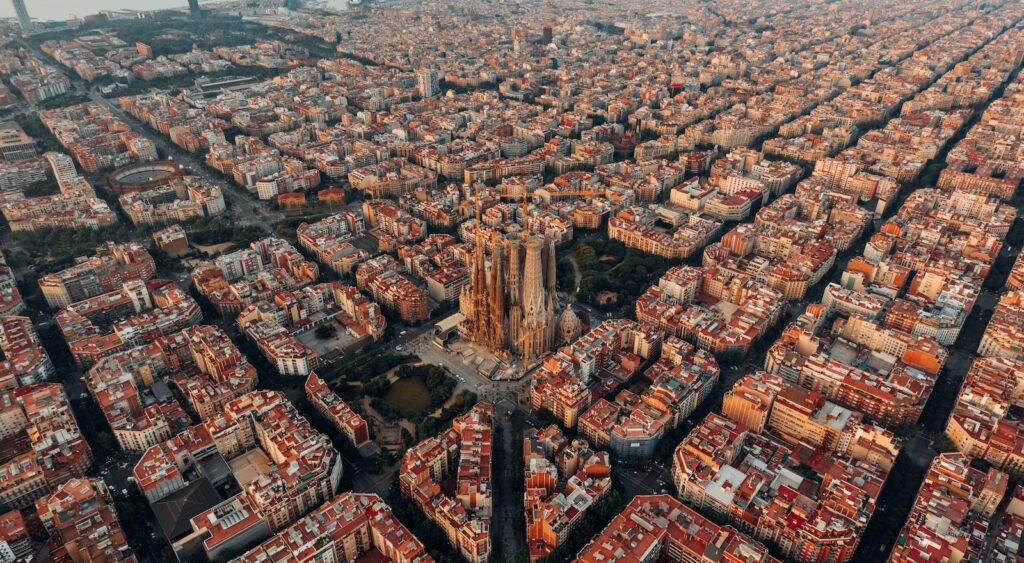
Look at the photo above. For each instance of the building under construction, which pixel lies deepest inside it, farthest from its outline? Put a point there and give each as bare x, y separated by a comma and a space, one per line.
509, 303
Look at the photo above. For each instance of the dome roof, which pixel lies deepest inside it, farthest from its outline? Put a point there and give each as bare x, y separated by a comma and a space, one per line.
569, 325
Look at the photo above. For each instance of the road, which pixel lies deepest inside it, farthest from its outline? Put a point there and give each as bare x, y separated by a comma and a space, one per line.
505, 501
655, 479
516, 392
249, 210
576, 274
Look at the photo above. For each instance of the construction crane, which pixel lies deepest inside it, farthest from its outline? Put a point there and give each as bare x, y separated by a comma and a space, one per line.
526, 196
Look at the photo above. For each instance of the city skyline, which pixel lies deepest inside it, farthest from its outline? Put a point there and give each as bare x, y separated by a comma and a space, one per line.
552, 280
55, 10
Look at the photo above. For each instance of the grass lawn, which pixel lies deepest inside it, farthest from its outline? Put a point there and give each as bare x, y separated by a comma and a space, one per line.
408, 395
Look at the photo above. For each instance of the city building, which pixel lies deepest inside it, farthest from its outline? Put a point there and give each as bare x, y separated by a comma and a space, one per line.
563, 479
952, 514
428, 82
687, 302
344, 529
659, 526
462, 452
137, 313
382, 277
15, 145
984, 423
727, 471
178, 200
44, 447
765, 403
267, 267
10, 298
885, 374
112, 266
334, 409
259, 443
631, 426
15, 541
133, 388
23, 360
76, 207
284, 327
96, 139
83, 524
328, 240
605, 357
172, 239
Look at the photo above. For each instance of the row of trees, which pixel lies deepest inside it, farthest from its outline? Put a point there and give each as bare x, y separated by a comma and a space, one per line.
375, 365
207, 230
187, 80
435, 424
33, 127
51, 249
170, 36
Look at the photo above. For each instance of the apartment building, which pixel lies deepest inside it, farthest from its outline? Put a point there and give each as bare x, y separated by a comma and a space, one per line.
463, 451
563, 479
113, 265
45, 447
82, 523
344, 529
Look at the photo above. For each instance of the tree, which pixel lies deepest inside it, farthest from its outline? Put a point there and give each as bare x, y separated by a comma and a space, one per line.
377, 386
905, 431
585, 256
944, 444
323, 332
546, 417
105, 445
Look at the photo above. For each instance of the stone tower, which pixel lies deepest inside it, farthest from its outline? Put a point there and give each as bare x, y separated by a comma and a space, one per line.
509, 303
538, 302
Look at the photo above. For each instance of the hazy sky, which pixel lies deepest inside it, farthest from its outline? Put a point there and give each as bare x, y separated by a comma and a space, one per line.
59, 9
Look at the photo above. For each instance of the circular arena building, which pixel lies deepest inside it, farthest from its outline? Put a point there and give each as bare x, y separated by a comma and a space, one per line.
143, 176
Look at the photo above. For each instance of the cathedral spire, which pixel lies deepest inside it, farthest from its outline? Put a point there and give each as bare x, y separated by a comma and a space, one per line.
496, 302
550, 273
510, 300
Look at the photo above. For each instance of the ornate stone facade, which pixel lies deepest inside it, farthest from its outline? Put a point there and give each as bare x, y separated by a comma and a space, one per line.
509, 303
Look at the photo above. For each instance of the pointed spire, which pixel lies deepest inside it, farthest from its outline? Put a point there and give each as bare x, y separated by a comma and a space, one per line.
552, 269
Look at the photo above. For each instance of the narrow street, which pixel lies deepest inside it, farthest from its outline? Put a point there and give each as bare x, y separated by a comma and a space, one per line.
505, 504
